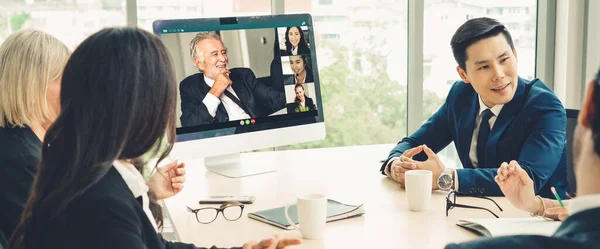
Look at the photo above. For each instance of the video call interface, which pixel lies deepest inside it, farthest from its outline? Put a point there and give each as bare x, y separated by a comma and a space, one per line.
251, 76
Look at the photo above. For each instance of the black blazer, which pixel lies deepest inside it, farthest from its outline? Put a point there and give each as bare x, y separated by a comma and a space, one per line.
291, 107
301, 50
258, 99
107, 216
581, 231
19, 157
289, 79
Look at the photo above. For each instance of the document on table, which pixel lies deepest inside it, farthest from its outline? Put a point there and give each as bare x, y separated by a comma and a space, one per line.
510, 226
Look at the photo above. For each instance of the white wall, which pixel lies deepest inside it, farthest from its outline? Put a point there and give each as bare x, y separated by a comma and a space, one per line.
569, 49
593, 41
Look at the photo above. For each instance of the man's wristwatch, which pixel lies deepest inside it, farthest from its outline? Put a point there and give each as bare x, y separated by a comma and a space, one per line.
445, 181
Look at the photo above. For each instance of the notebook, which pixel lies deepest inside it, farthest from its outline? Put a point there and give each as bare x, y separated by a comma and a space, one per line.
510, 226
335, 211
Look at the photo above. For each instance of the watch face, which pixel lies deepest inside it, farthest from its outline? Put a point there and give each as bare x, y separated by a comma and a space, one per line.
445, 181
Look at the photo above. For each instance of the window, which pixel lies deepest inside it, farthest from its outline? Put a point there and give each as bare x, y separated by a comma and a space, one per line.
362, 56
69, 21
514, 10
152, 10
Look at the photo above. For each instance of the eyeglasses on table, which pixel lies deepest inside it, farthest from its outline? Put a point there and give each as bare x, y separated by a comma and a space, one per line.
451, 202
231, 210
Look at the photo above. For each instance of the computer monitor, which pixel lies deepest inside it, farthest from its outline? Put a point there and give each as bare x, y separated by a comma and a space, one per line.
258, 87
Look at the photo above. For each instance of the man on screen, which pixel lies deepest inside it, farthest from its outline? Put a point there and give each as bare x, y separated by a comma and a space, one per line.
218, 94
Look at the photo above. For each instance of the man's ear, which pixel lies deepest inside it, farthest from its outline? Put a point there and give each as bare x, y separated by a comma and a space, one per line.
198, 64
462, 74
588, 109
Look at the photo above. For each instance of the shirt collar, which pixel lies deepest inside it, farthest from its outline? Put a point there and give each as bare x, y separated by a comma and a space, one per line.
495, 110
208, 81
582, 203
132, 177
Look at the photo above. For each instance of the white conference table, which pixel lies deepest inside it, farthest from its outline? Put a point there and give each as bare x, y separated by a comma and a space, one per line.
348, 174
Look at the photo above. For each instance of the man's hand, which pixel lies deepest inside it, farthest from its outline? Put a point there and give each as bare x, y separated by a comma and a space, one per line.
518, 187
222, 81
168, 180
433, 164
399, 166
275, 242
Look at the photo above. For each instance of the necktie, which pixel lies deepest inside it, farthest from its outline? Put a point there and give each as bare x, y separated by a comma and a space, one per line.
238, 102
482, 137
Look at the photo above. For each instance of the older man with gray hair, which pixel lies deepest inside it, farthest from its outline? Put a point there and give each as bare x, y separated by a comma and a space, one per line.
219, 94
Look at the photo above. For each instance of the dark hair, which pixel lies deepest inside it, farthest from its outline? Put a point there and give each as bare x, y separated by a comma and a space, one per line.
596, 119
302, 44
118, 101
473, 31
306, 60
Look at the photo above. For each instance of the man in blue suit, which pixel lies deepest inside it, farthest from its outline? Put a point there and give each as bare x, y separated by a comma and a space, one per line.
492, 116
582, 228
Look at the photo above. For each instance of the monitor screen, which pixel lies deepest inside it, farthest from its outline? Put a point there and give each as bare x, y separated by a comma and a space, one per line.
237, 75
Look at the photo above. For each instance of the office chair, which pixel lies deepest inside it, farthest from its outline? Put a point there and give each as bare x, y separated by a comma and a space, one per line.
572, 115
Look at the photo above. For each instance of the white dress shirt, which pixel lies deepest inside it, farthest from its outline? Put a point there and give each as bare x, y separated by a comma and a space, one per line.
136, 183
294, 50
584, 202
473, 150
234, 111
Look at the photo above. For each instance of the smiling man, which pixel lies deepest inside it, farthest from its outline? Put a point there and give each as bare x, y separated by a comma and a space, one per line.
218, 94
492, 116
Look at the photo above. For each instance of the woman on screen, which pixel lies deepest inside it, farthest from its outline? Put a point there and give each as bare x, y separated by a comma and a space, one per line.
302, 103
117, 103
300, 65
295, 42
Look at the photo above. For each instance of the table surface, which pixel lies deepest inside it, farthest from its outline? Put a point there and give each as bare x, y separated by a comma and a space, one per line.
347, 174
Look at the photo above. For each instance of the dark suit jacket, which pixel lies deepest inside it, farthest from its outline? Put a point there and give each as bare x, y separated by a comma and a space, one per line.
530, 129
107, 216
581, 231
251, 93
289, 79
291, 107
301, 50
19, 157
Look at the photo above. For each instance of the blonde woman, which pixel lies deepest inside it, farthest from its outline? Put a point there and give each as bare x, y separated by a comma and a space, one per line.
31, 63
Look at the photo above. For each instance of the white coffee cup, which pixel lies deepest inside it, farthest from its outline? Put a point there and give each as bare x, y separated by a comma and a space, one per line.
312, 214
418, 189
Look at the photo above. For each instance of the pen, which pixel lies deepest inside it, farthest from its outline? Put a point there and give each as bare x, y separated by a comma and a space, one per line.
557, 197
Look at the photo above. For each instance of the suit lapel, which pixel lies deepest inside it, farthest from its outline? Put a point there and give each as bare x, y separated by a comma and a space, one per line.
238, 86
466, 124
205, 89
505, 118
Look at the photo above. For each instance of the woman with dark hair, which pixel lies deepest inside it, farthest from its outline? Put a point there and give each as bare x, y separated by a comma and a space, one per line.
295, 42
117, 104
300, 65
302, 103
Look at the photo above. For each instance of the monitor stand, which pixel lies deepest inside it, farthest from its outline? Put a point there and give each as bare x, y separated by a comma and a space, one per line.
232, 166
